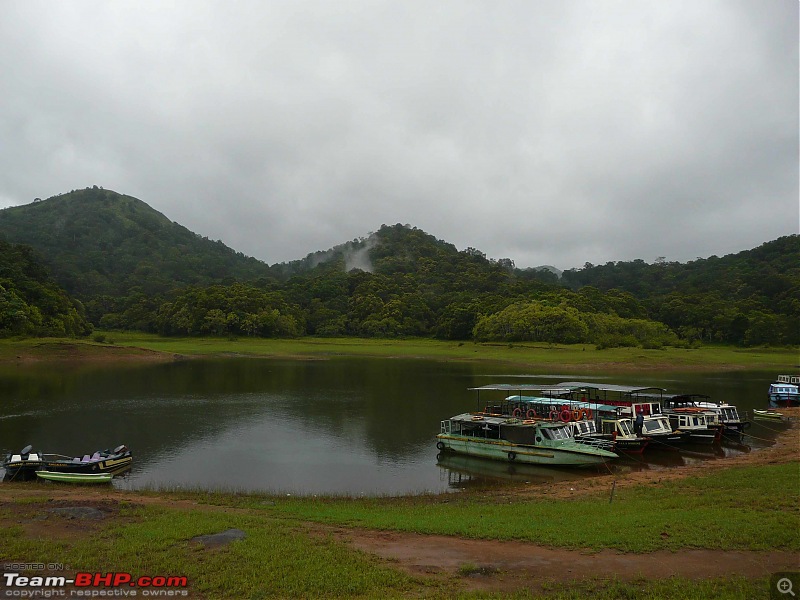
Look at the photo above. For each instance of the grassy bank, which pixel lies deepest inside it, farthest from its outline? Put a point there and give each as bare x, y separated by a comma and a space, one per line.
749, 508
290, 550
130, 346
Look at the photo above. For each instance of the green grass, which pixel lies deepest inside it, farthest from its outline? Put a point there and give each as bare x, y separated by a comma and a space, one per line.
274, 560
578, 355
752, 508
673, 588
285, 556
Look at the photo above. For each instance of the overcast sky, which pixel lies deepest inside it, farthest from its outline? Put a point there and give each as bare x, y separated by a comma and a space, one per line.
546, 131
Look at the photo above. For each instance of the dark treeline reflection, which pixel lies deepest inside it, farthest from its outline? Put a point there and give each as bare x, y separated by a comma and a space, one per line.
342, 425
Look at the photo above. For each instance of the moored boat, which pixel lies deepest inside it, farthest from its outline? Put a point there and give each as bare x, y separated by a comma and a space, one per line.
703, 424
727, 415
693, 421
768, 414
530, 441
102, 461
24, 466
616, 435
785, 391
573, 401
75, 477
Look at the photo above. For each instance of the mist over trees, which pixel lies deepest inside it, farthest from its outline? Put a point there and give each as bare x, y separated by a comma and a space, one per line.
133, 269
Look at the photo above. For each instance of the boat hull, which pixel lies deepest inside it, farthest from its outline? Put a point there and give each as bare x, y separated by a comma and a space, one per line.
524, 454
667, 441
777, 400
22, 467
109, 465
75, 477
768, 414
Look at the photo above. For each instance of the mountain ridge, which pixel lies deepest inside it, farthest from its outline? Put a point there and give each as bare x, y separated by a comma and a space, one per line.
133, 268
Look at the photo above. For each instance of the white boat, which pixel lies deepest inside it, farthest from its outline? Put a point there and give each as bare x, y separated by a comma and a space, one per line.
727, 415
529, 441
784, 391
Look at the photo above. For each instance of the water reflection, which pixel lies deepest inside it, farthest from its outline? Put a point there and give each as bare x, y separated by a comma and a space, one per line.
345, 425
472, 471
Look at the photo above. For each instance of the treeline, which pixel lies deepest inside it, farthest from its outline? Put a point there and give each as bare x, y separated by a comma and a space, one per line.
335, 303
749, 298
31, 303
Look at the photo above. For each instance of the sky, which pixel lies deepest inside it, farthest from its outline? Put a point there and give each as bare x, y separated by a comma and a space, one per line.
551, 132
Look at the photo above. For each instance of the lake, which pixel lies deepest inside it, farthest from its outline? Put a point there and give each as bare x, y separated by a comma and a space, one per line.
340, 426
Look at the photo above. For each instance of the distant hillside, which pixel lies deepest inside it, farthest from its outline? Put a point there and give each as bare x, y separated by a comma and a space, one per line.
134, 269
97, 242
31, 303
750, 297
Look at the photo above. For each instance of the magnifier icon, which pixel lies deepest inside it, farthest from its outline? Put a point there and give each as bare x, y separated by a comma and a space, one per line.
784, 586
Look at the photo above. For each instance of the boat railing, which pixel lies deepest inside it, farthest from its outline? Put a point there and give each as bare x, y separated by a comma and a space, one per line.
600, 444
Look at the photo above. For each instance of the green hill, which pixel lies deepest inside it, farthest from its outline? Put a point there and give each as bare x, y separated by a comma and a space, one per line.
750, 297
100, 243
134, 269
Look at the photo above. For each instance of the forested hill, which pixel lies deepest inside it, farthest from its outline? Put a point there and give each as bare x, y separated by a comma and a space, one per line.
132, 268
97, 242
31, 303
713, 298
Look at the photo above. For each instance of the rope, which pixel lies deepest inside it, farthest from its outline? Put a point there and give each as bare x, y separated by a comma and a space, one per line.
768, 429
757, 438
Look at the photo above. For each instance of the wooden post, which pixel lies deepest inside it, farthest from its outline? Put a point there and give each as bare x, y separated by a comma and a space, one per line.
613, 487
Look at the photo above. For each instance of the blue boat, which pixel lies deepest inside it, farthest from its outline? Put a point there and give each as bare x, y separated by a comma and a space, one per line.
784, 391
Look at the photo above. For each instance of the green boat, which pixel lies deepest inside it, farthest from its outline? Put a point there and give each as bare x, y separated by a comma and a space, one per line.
75, 477
532, 441
768, 414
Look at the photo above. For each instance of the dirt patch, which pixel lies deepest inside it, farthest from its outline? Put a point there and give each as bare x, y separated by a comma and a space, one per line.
506, 566
43, 520
85, 352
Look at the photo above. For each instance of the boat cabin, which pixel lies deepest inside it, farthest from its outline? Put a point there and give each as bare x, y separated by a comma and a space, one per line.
516, 431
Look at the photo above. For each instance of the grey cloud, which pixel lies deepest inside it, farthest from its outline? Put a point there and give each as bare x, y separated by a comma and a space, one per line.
548, 132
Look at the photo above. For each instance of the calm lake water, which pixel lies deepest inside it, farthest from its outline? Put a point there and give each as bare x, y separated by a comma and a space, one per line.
341, 426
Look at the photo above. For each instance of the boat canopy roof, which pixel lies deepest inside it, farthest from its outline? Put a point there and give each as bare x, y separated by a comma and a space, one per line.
573, 404
686, 397
482, 419
570, 386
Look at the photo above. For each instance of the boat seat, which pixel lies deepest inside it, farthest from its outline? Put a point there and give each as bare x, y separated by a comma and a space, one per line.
85, 458
76, 459
96, 456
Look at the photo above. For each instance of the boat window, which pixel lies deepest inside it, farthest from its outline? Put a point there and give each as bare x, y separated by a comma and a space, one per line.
654, 425
557, 433
682, 422
624, 428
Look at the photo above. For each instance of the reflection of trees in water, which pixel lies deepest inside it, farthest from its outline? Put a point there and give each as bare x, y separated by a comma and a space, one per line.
390, 408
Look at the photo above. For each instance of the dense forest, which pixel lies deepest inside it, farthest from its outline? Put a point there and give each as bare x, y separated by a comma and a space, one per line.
31, 303
132, 268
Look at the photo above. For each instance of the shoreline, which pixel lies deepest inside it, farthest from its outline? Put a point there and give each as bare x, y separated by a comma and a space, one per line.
128, 348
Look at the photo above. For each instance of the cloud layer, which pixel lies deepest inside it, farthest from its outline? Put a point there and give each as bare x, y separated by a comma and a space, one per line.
546, 132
